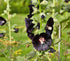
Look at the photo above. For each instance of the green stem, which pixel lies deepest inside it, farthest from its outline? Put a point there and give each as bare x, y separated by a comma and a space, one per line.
9, 25
53, 14
40, 12
39, 6
59, 42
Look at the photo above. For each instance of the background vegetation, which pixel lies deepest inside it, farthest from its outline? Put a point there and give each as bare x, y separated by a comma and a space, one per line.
22, 48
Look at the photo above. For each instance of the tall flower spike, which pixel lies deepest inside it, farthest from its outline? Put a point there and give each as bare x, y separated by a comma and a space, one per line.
2, 21
49, 26
31, 10
29, 26
42, 42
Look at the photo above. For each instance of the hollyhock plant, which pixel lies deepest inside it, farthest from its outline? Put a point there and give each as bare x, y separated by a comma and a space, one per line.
43, 40
2, 21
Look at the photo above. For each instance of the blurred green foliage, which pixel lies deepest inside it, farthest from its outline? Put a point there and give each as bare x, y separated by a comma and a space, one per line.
17, 6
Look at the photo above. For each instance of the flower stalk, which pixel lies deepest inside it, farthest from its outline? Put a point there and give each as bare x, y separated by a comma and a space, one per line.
59, 42
40, 12
9, 25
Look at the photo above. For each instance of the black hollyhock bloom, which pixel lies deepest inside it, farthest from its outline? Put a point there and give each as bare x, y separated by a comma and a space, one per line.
2, 21
49, 26
38, 25
30, 15
16, 30
42, 42
2, 35
30, 8
67, 1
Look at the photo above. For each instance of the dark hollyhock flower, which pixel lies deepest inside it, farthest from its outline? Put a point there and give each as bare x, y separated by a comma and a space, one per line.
42, 42
38, 25
28, 22
30, 15
49, 26
2, 21
16, 30
2, 35
30, 8
67, 1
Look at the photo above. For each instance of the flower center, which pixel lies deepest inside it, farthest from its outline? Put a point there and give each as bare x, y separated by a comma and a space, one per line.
41, 40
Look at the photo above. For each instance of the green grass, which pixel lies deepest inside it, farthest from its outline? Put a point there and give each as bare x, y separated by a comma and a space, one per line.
21, 36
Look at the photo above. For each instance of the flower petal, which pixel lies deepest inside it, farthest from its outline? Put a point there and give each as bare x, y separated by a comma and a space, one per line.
2, 21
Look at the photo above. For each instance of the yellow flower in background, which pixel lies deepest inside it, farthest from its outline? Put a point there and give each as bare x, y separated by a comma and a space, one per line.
18, 52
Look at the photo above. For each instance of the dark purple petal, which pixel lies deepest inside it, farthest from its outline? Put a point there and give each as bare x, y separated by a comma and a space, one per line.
28, 22
49, 32
30, 28
51, 50
2, 35
50, 22
30, 35
2, 21
16, 30
30, 8
49, 26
